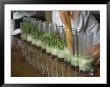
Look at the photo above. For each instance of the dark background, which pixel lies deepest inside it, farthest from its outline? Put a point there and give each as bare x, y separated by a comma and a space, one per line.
2, 2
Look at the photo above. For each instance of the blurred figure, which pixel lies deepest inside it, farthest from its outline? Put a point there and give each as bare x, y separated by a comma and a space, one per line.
83, 21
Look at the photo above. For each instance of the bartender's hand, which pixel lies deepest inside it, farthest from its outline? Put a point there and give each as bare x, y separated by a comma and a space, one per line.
96, 54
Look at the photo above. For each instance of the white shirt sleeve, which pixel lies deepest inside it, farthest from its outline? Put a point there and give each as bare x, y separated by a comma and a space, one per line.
94, 27
87, 22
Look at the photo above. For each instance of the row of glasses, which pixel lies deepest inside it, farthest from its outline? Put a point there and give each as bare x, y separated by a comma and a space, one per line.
36, 31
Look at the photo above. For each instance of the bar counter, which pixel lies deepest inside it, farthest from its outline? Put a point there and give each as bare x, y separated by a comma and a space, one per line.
28, 60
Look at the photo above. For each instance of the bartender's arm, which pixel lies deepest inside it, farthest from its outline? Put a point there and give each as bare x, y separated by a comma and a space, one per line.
96, 54
65, 18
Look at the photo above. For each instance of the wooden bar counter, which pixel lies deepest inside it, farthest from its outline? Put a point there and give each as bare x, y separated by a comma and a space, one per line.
28, 60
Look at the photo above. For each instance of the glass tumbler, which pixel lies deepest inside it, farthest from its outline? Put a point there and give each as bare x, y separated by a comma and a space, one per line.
85, 52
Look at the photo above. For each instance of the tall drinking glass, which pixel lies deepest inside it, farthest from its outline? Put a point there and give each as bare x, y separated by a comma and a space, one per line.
86, 52
75, 58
